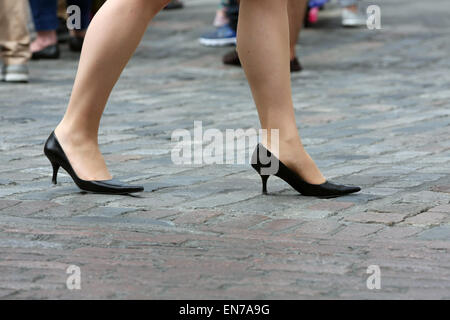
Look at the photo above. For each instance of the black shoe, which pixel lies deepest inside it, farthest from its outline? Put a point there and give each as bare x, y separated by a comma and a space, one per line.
57, 157
62, 32
267, 164
232, 59
174, 4
295, 65
76, 43
50, 52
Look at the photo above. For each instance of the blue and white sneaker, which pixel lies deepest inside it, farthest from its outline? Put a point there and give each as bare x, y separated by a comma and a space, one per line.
222, 36
15, 73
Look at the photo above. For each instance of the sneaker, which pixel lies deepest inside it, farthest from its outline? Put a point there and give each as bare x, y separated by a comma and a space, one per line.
223, 36
353, 19
15, 73
2, 73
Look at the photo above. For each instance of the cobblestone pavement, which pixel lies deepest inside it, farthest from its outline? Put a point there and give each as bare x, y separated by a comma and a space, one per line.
373, 110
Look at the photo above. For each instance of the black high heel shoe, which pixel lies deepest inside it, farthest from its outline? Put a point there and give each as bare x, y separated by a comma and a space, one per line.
50, 52
266, 165
57, 157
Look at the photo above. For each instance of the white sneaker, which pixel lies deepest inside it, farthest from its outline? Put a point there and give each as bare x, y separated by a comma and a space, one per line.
15, 73
353, 19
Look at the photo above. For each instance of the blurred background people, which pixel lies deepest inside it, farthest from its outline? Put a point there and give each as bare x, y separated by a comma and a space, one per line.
46, 23
352, 16
225, 24
226, 30
14, 40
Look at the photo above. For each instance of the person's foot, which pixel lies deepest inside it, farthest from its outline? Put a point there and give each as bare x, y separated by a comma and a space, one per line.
223, 36
232, 59
45, 46
76, 43
174, 4
84, 156
76, 40
43, 40
15, 73
295, 65
296, 158
353, 17
48, 53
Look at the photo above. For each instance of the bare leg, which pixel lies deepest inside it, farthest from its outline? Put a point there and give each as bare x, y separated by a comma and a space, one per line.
110, 41
263, 45
296, 12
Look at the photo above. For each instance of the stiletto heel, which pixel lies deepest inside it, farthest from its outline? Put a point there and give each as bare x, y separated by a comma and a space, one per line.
57, 157
264, 183
55, 172
277, 168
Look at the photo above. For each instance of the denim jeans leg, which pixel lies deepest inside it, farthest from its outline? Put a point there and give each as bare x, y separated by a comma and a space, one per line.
44, 14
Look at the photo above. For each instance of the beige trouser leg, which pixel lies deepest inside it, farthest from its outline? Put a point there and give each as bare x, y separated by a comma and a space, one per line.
14, 35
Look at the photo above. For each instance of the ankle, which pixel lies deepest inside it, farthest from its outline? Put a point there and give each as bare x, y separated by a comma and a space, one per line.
75, 137
47, 37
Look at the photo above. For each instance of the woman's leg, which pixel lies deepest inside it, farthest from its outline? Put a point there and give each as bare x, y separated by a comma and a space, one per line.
296, 12
110, 41
263, 46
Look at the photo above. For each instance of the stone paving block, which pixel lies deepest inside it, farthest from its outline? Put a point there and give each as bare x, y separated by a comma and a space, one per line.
333, 206
426, 197
397, 232
196, 217
387, 218
279, 225
442, 208
442, 188
26, 208
318, 227
239, 222
428, 218
358, 230
8, 203
436, 233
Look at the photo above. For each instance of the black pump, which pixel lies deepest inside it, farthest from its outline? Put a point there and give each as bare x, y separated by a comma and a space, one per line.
266, 164
57, 157
50, 52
